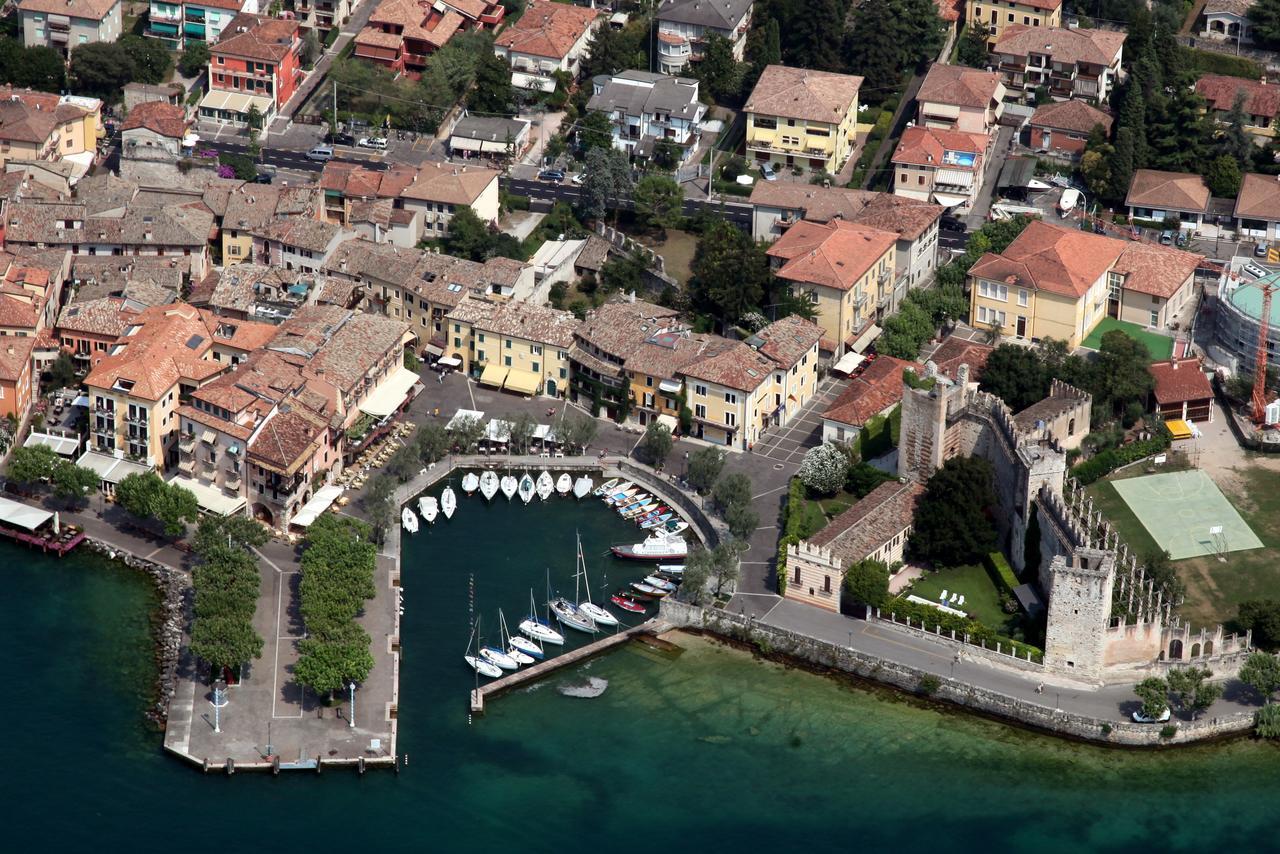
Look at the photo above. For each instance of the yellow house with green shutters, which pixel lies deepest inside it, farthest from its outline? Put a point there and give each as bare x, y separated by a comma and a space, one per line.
804, 118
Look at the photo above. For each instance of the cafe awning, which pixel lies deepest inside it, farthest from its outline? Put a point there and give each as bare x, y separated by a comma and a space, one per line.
848, 363
493, 375
461, 414
110, 469
522, 382
864, 340
210, 498
433, 350
65, 446
948, 200
21, 515
449, 362
668, 421
390, 393
319, 503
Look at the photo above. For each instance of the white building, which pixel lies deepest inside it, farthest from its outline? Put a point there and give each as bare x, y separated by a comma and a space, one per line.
65, 24
647, 108
684, 25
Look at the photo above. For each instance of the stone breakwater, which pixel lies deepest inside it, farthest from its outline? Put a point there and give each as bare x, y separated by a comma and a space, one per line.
174, 587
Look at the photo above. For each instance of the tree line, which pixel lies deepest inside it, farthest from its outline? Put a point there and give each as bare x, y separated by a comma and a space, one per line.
338, 561
226, 583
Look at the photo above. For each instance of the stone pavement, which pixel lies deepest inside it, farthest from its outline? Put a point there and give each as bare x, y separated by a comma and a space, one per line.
789, 444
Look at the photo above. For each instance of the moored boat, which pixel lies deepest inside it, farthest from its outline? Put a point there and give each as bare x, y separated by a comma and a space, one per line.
671, 568
660, 583
534, 627
656, 546
488, 485
484, 668
526, 489
429, 508
603, 489
568, 615
648, 590
409, 520
621, 495
676, 527
470, 483
448, 502
656, 521
626, 603
544, 486
509, 486
527, 646
582, 486
493, 655
564, 484
639, 511
516, 651
594, 612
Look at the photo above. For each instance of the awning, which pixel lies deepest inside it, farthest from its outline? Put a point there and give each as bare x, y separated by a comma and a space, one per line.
110, 469
319, 503
65, 446
191, 140
544, 433
22, 515
449, 362
473, 414
236, 102
82, 161
1179, 429
670, 386
948, 200
498, 430
531, 81
390, 393
82, 400
522, 382
493, 375
848, 363
210, 498
433, 350
864, 340
668, 421
208, 437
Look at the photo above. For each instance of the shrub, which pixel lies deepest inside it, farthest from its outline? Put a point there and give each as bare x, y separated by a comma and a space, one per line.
1168, 731
1220, 63
931, 618
929, 684
1267, 722
1103, 464
1001, 573
823, 469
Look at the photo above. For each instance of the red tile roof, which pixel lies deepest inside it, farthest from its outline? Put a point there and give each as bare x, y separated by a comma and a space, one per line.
835, 254
959, 86
163, 118
548, 29
1070, 115
923, 146
263, 38
1261, 99
1180, 380
15, 356
1179, 191
877, 388
1052, 258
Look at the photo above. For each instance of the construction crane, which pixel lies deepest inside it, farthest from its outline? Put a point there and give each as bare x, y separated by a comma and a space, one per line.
1267, 284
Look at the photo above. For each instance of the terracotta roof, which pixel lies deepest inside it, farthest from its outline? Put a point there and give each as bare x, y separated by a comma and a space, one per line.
244, 335
313, 235
163, 344
959, 86
950, 10
924, 146
877, 388
414, 20
352, 179
287, 440
1239, 8
174, 225
866, 526
955, 351
456, 185
263, 38
1180, 380
340, 345
27, 116
786, 341
1052, 258
1149, 268
104, 317
518, 319
158, 116
1066, 46
94, 10
15, 356
735, 366
617, 328
1261, 99
154, 280
835, 254
1259, 197
1178, 191
908, 217
547, 29
800, 93
1071, 115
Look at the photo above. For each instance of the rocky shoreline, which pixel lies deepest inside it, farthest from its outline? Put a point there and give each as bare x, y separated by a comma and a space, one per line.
174, 587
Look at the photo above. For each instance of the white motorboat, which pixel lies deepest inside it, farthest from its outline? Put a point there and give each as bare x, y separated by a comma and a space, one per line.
509, 486
564, 484
544, 486
657, 546
582, 486
448, 502
429, 508
409, 520
671, 568
603, 489
660, 583
470, 483
493, 655
488, 485
526, 489
677, 527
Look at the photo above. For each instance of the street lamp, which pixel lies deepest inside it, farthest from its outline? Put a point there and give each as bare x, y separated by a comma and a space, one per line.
219, 700
352, 722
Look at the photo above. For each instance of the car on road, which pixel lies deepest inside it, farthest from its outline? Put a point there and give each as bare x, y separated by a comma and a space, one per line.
1183, 240
579, 178
1260, 251
340, 139
1139, 717
376, 142
555, 175
766, 172
266, 174
950, 222
320, 153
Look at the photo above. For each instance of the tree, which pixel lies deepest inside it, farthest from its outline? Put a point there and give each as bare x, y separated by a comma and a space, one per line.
575, 431
73, 482
717, 567
1223, 176
228, 531
468, 236
378, 502
659, 201
730, 272
719, 72
872, 47
1262, 618
523, 425
101, 69
40, 68
905, 331
150, 59
195, 59
492, 92
1095, 167
1016, 376
62, 373
611, 51
742, 520
973, 47
1154, 694
432, 442
705, 465
1192, 691
667, 155
225, 641
466, 433
813, 36
1236, 141
595, 130
864, 477
1121, 369
606, 183
1265, 17
697, 575
823, 469
310, 48
327, 666
33, 465
867, 582
732, 488
952, 525
148, 497
1157, 565
1261, 672
655, 444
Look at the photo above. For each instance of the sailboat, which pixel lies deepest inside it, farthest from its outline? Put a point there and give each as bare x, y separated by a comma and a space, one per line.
528, 646
448, 502
564, 484
534, 627
488, 485
508, 486
470, 483
495, 656
544, 486
515, 652
409, 520
603, 489
586, 606
479, 665
429, 508
582, 486
526, 488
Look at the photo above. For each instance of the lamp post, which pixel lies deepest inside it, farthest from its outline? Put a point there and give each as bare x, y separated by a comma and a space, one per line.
352, 716
219, 700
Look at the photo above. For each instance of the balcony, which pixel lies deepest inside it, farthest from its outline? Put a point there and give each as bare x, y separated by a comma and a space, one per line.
164, 15
232, 482
187, 466
186, 443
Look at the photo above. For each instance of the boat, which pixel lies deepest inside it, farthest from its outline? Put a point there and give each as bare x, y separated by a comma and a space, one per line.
564, 484
582, 486
544, 486
470, 483
529, 647
508, 486
601, 490
676, 527
656, 521
568, 614
651, 514
518, 655
409, 520
488, 485
626, 603
448, 502
632, 501
620, 496
656, 546
429, 508
493, 655
597, 614
660, 583
639, 510
526, 488
537, 629
671, 568
648, 590
480, 665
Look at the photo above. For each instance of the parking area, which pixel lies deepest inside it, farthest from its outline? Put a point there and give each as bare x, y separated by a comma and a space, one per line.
788, 444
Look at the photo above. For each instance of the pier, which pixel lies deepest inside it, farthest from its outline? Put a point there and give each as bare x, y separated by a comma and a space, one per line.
532, 674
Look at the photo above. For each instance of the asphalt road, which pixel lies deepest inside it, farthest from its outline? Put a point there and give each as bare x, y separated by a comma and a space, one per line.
297, 160
736, 212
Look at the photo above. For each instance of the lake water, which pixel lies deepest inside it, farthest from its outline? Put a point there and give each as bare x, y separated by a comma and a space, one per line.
707, 750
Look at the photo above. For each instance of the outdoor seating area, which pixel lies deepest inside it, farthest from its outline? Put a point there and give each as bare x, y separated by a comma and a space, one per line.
374, 456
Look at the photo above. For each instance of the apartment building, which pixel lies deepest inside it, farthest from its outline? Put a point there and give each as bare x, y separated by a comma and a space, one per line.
249, 208
43, 127
178, 24
1062, 128
1261, 102
1067, 63
297, 243
549, 37
402, 34
19, 380
729, 392
601, 347
997, 18
792, 344
66, 24
648, 109
320, 15
803, 118
257, 63
940, 166
511, 344
438, 190
685, 25
955, 97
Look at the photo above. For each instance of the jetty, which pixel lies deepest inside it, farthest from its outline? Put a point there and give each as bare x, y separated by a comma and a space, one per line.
653, 626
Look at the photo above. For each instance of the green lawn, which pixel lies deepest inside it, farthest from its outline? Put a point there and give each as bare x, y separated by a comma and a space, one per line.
1159, 346
981, 599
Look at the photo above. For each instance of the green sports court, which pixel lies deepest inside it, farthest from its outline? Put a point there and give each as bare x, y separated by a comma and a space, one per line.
1181, 511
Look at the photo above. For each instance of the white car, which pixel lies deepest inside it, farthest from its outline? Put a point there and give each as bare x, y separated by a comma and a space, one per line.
1139, 717
378, 142
579, 178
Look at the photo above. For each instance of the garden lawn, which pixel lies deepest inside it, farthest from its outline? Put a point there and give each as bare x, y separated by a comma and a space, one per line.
1159, 346
981, 598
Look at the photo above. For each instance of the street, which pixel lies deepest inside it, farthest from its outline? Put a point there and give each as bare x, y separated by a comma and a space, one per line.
738, 213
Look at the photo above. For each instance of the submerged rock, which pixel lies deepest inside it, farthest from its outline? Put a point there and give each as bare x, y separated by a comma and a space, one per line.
591, 687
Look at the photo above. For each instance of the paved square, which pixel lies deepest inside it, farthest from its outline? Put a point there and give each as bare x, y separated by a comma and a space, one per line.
1178, 509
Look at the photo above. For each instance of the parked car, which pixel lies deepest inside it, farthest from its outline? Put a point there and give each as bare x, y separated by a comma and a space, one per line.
1260, 251
555, 175
340, 139
1183, 239
1139, 717
579, 178
320, 153
1166, 238
766, 172
950, 222
375, 142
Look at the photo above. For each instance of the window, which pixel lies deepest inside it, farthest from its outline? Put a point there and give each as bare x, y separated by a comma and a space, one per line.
536, 367
700, 390
83, 39
480, 355
730, 398
1023, 297
699, 411
1155, 317
564, 373
536, 349
731, 419
506, 360
768, 123
507, 344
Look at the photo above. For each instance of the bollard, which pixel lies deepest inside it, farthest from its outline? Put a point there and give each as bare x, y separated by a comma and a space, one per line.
231, 766
360, 766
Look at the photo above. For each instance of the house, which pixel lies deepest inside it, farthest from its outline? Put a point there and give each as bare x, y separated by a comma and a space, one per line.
256, 65
439, 189
251, 207
142, 280
653, 372
180, 23
402, 34
297, 243
997, 18
92, 326
510, 344
1261, 101
940, 166
1228, 21
32, 283
791, 343
876, 528
955, 97
873, 392
1062, 128
489, 136
1257, 209
154, 130
803, 118
43, 127
346, 184
778, 205
1067, 63
1182, 390
731, 394
648, 110
601, 347
64, 25
320, 15
1162, 196
16, 369
249, 291
685, 25
1056, 282
142, 93
845, 270
548, 38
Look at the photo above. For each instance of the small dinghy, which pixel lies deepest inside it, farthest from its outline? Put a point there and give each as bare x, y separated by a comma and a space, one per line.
603, 489
589, 689
509, 486
544, 486
564, 484
409, 520
626, 603
429, 508
648, 590
526, 489
620, 496
448, 502
470, 483
582, 486
488, 485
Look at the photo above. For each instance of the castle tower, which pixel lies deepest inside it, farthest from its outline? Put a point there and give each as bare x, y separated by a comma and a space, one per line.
1079, 611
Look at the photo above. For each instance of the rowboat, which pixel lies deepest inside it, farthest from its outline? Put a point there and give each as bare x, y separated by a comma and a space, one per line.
448, 502
660, 583
488, 485
526, 488
582, 486
409, 520
544, 486
656, 546
470, 483
652, 514
648, 589
564, 484
620, 496
656, 521
631, 502
601, 490
638, 510
508, 486
676, 527
626, 603
671, 568
429, 508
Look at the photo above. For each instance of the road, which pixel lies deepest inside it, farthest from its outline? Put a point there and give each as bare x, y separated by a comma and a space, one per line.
736, 212
283, 158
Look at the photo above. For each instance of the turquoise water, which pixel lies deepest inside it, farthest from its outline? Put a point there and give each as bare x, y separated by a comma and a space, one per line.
707, 750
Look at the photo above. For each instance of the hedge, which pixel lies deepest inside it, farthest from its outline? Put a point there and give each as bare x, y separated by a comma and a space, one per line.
1103, 464
879, 435
932, 618
1220, 63
1001, 573
733, 188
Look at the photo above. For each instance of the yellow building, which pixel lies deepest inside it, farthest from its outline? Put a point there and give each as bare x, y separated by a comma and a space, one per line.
42, 126
730, 393
792, 345
510, 344
803, 118
995, 16
844, 269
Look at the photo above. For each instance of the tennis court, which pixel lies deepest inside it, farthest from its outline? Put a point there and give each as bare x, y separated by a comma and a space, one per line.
1181, 511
